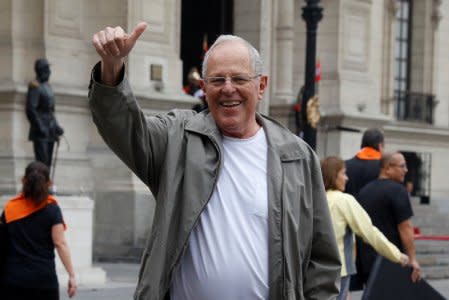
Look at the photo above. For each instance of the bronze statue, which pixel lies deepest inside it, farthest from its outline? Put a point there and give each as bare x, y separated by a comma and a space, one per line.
40, 108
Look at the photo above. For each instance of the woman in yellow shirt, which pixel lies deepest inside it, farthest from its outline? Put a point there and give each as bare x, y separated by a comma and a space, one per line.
348, 217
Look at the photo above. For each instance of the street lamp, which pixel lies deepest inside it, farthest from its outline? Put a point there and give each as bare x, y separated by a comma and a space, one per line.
312, 14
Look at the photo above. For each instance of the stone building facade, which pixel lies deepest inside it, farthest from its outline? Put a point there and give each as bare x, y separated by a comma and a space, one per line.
373, 75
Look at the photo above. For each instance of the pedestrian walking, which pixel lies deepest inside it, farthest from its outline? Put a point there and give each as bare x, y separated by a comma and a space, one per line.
34, 228
387, 202
362, 169
349, 218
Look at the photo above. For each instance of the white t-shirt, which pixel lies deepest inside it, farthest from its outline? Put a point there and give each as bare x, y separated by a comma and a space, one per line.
227, 255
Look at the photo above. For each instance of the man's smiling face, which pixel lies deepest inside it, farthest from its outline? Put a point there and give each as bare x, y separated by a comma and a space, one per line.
233, 105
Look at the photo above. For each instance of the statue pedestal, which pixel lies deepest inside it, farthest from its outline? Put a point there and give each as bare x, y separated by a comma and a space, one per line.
78, 215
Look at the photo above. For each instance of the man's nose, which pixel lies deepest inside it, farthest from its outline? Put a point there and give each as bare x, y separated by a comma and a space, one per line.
228, 86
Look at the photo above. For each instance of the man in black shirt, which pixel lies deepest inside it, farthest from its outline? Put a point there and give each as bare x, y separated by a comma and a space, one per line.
387, 203
362, 169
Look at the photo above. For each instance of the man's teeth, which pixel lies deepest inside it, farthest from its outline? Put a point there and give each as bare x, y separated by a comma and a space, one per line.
230, 103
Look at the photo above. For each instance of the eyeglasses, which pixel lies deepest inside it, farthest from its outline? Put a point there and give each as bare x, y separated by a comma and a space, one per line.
236, 80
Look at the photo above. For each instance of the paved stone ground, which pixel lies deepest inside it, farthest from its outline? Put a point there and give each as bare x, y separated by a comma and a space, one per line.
120, 284
122, 278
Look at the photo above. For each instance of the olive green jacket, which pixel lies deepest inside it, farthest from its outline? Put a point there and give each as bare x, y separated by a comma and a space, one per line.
178, 156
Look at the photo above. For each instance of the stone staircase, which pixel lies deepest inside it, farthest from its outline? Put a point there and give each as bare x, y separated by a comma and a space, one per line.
433, 255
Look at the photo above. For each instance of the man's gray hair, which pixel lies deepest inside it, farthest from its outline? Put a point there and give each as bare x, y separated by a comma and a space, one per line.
254, 55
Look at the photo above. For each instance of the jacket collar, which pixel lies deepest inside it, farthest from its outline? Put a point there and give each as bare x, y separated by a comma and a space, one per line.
280, 139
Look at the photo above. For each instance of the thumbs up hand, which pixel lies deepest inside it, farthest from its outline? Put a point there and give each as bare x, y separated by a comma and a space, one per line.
113, 45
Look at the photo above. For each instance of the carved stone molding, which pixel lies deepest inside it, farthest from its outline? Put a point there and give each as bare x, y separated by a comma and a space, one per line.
64, 18
157, 13
357, 32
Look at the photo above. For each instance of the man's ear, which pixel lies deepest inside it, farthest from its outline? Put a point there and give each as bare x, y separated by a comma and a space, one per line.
203, 87
263, 84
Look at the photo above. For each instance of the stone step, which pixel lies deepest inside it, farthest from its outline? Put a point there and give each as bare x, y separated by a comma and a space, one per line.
432, 247
435, 272
435, 220
432, 230
433, 259
433, 256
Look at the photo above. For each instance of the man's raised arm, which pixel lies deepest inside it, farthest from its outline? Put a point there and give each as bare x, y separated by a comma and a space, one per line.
113, 45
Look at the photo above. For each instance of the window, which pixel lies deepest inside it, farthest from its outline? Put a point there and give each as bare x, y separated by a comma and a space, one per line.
402, 57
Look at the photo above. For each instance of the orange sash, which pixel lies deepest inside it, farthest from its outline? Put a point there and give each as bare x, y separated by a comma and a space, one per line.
368, 153
19, 207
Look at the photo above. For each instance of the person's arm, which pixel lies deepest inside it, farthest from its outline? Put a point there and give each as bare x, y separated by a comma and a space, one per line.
113, 45
139, 141
57, 234
405, 229
321, 278
361, 224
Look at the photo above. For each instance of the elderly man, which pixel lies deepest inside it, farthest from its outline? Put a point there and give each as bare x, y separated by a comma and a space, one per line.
387, 203
241, 211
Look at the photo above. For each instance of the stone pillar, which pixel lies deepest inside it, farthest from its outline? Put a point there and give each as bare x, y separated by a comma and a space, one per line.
422, 51
78, 215
22, 42
266, 38
388, 62
157, 52
283, 80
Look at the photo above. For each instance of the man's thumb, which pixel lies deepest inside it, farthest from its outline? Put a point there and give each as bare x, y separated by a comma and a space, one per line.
137, 32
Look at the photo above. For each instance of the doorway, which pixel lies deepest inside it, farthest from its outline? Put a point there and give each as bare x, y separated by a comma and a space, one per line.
417, 179
202, 21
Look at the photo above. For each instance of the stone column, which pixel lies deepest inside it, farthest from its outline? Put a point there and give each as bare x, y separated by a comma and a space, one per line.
422, 50
266, 38
283, 81
388, 63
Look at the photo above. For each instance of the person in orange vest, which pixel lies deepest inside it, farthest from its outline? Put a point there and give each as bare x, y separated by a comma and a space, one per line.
33, 224
361, 169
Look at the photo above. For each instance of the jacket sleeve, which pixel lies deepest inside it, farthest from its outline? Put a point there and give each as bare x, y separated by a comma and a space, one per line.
322, 278
138, 141
361, 225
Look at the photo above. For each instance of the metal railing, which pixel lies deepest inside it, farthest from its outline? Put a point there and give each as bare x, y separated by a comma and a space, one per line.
416, 107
